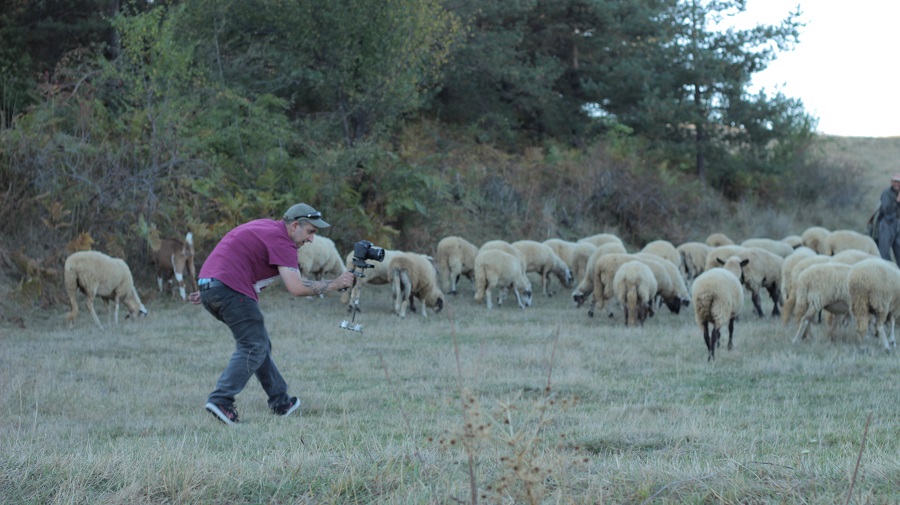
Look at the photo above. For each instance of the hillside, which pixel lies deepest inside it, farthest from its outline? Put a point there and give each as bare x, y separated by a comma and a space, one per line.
879, 157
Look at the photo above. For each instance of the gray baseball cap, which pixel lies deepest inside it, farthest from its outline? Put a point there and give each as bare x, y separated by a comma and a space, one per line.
303, 212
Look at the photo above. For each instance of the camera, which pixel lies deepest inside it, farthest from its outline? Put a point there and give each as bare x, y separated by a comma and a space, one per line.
365, 250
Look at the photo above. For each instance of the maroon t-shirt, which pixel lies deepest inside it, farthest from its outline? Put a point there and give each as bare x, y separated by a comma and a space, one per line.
247, 258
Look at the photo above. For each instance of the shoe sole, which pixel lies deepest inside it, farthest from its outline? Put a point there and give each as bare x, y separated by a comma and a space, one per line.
292, 409
221, 416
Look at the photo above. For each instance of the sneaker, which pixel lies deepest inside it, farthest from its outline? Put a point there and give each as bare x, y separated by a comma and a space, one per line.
227, 415
286, 410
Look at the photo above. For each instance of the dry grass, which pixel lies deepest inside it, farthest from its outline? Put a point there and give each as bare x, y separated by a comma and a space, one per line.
545, 406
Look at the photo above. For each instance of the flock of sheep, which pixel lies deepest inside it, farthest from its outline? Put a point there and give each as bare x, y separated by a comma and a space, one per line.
839, 272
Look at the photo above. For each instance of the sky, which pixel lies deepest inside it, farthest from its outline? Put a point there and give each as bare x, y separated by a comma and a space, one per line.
846, 67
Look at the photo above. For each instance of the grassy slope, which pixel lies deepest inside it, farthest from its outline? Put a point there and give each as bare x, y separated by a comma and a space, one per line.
559, 408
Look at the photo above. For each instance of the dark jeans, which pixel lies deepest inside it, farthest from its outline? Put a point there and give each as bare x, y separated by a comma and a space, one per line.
889, 240
252, 353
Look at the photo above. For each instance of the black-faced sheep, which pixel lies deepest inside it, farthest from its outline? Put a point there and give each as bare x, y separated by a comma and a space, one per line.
778, 247
717, 296
96, 274
541, 259
635, 287
175, 259
496, 269
320, 259
814, 238
843, 240
672, 289
821, 287
718, 239
413, 276
764, 272
693, 259
455, 258
874, 286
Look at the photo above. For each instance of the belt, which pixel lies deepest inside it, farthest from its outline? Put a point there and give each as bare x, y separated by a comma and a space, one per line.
209, 283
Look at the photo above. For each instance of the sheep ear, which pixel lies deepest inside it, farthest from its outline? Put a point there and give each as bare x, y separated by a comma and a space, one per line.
744, 263
719, 260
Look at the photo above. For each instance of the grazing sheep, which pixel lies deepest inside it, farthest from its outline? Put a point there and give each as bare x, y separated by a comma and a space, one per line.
580, 256
563, 248
693, 259
502, 245
764, 272
498, 269
588, 285
718, 239
821, 287
843, 240
376, 275
96, 274
717, 298
814, 238
320, 259
790, 281
672, 289
175, 259
601, 239
413, 276
455, 257
602, 269
635, 287
793, 240
874, 286
778, 247
663, 249
541, 259
799, 254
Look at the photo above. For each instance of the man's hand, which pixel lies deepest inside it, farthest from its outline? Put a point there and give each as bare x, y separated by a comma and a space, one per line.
195, 297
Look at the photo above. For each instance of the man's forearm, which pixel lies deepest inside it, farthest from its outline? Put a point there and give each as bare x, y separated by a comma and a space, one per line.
318, 287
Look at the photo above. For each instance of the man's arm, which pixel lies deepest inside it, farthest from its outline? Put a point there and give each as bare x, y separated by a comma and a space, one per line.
298, 286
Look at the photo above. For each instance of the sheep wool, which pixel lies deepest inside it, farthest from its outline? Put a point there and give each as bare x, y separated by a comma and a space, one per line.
496, 269
821, 287
635, 286
541, 259
717, 296
96, 274
455, 258
874, 286
320, 259
413, 276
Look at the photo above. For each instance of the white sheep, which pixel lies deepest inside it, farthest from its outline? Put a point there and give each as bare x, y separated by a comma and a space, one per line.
663, 249
794, 241
843, 240
874, 286
455, 258
693, 259
320, 259
580, 256
764, 272
496, 269
541, 259
376, 275
673, 291
413, 276
601, 239
502, 245
778, 247
635, 287
718, 298
790, 280
96, 274
821, 287
563, 248
814, 238
718, 239
799, 254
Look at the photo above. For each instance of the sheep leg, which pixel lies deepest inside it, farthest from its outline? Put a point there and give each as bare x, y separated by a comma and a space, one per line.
730, 333
774, 294
90, 306
883, 336
802, 331
754, 296
487, 296
519, 298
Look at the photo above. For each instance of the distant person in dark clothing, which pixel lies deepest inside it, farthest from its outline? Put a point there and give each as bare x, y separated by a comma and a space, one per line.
889, 224
246, 260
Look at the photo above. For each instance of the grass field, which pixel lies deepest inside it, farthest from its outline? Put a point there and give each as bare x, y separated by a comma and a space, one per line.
543, 405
